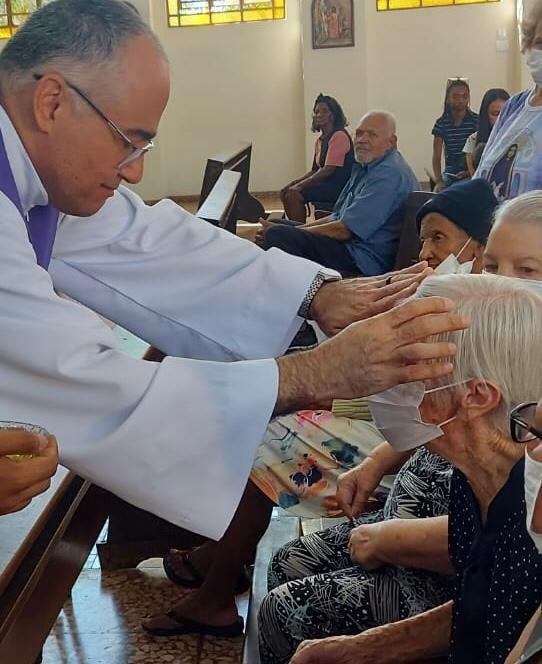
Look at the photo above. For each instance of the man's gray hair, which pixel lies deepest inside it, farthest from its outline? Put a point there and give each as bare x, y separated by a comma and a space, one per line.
502, 344
389, 119
71, 36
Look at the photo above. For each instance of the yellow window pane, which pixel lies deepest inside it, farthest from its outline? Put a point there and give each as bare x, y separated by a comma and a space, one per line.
472, 2
381, 5
226, 17
257, 14
437, 3
173, 22
172, 7
195, 19
279, 13
403, 4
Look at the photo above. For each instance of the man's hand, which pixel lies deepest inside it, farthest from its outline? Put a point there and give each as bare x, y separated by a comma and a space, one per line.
333, 650
21, 480
356, 486
364, 546
371, 356
337, 304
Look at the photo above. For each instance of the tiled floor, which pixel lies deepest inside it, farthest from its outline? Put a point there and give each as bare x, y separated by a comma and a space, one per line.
101, 624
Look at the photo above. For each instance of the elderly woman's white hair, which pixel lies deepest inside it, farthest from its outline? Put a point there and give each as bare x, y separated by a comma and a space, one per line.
526, 207
503, 344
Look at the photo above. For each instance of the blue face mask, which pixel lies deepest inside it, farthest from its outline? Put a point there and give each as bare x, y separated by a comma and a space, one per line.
396, 414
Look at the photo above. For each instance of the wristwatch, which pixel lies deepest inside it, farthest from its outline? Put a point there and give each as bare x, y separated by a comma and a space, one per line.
319, 280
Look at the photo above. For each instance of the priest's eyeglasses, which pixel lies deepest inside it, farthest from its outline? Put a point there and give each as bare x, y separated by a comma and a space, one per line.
135, 151
522, 423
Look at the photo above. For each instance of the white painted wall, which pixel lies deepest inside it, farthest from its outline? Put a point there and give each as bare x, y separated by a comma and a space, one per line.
229, 83
402, 60
258, 82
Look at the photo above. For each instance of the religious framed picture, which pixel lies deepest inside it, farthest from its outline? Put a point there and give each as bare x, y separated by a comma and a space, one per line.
332, 23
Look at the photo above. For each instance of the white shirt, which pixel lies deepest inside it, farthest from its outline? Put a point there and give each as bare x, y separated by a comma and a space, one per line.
176, 438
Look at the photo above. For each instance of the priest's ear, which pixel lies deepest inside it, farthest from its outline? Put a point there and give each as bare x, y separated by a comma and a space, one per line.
51, 100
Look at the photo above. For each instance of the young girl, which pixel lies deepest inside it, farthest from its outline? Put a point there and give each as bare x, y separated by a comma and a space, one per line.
490, 108
451, 131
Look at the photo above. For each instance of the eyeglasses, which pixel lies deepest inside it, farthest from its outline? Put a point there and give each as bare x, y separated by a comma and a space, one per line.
522, 420
135, 151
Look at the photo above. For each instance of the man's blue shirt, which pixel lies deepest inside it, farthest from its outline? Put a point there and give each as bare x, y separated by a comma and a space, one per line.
370, 205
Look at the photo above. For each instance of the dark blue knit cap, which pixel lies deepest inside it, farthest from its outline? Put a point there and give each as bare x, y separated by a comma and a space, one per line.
469, 204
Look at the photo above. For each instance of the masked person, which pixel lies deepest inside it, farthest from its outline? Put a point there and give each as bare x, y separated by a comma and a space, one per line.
454, 226
83, 86
511, 161
497, 568
302, 455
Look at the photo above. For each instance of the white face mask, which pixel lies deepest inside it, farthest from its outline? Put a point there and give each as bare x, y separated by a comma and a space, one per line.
396, 414
534, 62
533, 483
451, 265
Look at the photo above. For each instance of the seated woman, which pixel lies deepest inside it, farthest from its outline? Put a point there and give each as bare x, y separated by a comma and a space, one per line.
332, 164
303, 454
450, 132
514, 247
490, 108
498, 570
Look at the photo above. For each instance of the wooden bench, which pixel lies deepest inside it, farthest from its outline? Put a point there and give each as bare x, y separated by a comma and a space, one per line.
42, 551
220, 206
236, 158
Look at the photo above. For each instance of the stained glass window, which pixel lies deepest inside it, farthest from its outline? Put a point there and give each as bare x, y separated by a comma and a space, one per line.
13, 13
183, 13
386, 5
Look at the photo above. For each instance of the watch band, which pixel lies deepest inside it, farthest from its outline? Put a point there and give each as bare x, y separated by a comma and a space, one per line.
319, 280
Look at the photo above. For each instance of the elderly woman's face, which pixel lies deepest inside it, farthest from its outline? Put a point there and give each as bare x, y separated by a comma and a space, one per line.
440, 237
515, 250
436, 408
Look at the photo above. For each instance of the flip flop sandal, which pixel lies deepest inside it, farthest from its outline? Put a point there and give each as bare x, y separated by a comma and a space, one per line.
186, 626
243, 582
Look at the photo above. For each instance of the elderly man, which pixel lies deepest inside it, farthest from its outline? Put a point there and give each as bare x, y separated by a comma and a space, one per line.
82, 88
360, 236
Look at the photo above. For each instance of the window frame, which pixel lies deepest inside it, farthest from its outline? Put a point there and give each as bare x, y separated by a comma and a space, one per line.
11, 27
275, 7
445, 3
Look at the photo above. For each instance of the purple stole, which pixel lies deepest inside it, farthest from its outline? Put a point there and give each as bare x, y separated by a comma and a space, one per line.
42, 220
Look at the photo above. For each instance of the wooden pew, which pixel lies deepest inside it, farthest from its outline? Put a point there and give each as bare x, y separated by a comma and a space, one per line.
237, 158
220, 207
42, 551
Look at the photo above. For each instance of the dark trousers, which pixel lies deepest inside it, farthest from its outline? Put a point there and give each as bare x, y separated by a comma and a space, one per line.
299, 242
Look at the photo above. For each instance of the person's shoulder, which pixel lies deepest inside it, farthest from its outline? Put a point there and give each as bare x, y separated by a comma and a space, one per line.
340, 137
515, 103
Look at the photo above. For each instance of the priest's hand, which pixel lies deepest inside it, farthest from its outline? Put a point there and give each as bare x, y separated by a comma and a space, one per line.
21, 479
337, 304
371, 356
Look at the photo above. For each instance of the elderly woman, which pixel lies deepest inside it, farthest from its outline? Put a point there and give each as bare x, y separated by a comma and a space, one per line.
511, 161
498, 571
514, 247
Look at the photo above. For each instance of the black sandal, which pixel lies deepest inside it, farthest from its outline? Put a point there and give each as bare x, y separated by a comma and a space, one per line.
186, 626
242, 585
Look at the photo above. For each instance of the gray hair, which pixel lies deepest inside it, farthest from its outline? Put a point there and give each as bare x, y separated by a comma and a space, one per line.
502, 344
72, 36
526, 207
388, 118
528, 26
